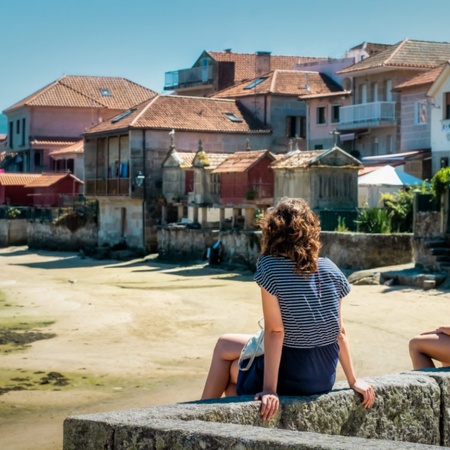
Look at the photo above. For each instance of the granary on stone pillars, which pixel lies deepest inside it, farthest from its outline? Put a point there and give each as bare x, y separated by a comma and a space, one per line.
324, 178
206, 184
177, 175
246, 176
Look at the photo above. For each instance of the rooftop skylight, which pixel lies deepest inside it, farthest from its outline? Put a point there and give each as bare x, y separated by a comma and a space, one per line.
233, 117
255, 83
124, 114
105, 92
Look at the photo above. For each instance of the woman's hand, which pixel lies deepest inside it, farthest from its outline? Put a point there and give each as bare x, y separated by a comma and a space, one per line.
444, 329
269, 404
366, 390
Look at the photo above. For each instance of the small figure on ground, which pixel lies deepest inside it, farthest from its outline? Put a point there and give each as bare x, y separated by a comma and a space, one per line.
304, 334
429, 346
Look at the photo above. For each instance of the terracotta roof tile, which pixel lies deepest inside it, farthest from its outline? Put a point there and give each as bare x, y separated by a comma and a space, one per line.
183, 158
88, 92
242, 161
77, 148
371, 48
408, 53
245, 63
53, 141
49, 179
285, 82
422, 79
17, 179
215, 159
185, 114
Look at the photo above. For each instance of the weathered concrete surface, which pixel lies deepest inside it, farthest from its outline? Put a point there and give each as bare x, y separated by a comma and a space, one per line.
13, 232
411, 408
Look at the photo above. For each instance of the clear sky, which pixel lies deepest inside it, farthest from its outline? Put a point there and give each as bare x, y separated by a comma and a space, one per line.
42, 40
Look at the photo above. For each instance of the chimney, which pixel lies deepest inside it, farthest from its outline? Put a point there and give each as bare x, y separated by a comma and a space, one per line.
227, 50
262, 63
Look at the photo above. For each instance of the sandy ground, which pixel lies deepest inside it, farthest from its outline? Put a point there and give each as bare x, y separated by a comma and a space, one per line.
140, 333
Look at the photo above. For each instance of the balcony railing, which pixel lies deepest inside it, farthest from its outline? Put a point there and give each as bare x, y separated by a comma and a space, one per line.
367, 115
188, 77
112, 187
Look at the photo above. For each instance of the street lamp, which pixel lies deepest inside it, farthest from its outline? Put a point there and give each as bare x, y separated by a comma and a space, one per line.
140, 178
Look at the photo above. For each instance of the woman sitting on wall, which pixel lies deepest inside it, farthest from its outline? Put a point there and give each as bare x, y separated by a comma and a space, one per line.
304, 334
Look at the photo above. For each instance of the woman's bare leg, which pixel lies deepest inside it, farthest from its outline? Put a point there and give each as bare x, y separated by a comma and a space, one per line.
222, 375
428, 346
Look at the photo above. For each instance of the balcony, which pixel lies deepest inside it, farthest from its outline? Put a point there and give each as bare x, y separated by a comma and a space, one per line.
195, 76
367, 115
110, 187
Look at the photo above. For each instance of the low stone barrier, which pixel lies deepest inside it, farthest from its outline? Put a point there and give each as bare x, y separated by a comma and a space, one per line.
353, 251
13, 232
412, 409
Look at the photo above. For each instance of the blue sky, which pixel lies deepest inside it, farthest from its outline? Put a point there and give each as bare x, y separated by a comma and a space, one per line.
141, 39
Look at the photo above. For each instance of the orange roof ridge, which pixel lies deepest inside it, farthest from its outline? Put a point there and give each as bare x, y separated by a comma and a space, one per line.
144, 109
396, 50
82, 93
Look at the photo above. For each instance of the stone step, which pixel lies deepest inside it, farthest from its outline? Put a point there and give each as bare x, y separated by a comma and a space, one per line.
440, 250
436, 243
443, 258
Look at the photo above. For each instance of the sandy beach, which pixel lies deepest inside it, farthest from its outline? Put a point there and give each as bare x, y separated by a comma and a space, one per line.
140, 333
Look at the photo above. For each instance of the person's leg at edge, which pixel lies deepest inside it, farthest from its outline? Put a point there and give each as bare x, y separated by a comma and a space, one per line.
223, 371
426, 347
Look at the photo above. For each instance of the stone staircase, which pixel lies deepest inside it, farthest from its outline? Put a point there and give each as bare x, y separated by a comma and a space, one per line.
439, 250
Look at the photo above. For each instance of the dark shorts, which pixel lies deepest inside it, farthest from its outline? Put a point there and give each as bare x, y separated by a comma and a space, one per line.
303, 371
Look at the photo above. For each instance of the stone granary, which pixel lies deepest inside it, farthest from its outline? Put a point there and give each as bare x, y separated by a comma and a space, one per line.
324, 178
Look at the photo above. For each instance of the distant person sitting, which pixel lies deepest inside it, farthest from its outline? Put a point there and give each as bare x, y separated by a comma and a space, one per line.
429, 346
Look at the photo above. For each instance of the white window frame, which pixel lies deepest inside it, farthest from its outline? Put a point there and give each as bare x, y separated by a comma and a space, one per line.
420, 113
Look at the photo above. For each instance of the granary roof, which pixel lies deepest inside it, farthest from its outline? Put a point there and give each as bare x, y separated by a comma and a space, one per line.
242, 161
49, 179
88, 92
17, 179
285, 82
245, 63
406, 54
183, 158
182, 113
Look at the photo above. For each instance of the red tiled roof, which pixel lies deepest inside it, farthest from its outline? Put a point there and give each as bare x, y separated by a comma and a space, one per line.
53, 141
371, 48
245, 63
408, 53
17, 179
167, 112
49, 179
78, 148
88, 92
242, 161
422, 79
285, 82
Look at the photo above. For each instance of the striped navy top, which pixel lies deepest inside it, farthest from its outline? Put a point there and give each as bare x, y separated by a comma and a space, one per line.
309, 306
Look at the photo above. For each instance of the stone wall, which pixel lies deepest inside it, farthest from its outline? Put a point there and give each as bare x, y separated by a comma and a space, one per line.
412, 409
49, 236
13, 232
373, 250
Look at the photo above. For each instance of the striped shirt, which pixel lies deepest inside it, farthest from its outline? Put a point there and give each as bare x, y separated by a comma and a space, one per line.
309, 305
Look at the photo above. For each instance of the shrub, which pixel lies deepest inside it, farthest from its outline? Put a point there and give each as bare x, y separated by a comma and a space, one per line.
341, 227
440, 182
374, 220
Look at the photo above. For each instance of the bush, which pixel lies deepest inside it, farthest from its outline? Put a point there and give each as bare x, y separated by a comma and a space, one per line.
440, 182
374, 220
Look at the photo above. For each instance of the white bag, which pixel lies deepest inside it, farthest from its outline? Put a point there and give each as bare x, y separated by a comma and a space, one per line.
253, 348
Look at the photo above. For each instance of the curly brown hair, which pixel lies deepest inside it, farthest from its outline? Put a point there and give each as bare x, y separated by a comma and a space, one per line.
292, 229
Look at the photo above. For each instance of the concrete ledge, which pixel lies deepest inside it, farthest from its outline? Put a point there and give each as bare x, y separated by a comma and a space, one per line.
411, 408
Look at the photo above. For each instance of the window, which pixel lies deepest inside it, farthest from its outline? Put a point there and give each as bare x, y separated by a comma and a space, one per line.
363, 93
255, 83
388, 89
421, 113
105, 92
321, 115
447, 106
233, 117
335, 113
318, 147
10, 135
17, 126
296, 126
23, 131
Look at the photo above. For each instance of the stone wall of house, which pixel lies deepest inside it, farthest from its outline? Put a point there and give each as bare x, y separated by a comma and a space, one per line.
49, 236
411, 411
13, 232
373, 250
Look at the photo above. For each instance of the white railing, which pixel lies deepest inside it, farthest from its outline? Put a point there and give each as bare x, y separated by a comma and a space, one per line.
367, 113
186, 77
